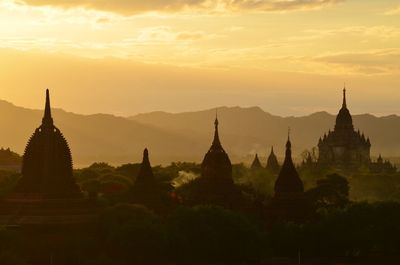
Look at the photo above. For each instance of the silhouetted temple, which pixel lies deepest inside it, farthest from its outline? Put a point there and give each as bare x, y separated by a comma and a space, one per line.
381, 166
344, 148
47, 193
215, 185
288, 202
145, 177
216, 163
47, 162
256, 163
9, 160
146, 190
288, 181
272, 162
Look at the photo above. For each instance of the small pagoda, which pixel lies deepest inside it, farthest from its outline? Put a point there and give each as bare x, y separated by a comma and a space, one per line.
288, 202
272, 163
256, 165
147, 190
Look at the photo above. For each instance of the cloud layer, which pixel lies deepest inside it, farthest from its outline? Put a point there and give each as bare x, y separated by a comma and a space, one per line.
368, 62
131, 7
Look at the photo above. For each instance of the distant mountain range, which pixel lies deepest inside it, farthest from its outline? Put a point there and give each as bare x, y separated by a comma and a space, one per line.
187, 136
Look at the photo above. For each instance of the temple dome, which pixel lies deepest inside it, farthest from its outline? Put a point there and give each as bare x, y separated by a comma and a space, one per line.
47, 162
288, 180
216, 163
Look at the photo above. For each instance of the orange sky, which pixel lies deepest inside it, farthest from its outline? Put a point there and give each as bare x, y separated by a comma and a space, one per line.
130, 56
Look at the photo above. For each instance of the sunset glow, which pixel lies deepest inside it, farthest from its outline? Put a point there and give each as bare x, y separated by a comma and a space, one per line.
213, 52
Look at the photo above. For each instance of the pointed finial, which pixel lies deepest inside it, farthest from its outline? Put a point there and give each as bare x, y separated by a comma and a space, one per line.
216, 143
344, 96
47, 119
288, 144
216, 117
146, 156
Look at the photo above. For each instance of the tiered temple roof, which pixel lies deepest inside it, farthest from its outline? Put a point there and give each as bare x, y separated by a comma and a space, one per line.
344, 147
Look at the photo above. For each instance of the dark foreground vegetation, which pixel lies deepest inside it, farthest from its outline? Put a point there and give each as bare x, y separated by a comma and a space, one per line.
131, 234
353, 224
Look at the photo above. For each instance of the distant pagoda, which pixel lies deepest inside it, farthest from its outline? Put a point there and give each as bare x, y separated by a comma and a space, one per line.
344, 148
9, 160
381, 166
47, 162
256, 163
145, 177
272, 162
146, 190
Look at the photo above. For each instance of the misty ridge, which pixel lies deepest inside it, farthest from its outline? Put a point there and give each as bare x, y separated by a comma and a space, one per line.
186, 136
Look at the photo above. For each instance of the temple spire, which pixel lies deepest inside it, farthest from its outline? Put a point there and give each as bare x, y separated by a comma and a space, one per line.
344, 97
288, 178
47, 119
216, 142
288, 143
145, 175
146, 160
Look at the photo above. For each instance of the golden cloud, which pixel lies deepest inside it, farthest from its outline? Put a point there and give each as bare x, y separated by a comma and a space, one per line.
369, 62
132, 7
393, 11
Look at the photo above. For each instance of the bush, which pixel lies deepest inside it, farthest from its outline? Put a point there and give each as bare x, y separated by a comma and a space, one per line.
213, 234
131, 233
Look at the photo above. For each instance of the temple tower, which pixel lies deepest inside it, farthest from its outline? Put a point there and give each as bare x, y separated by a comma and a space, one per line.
289, 201
47, 194
47, 162
216, 164
344, 148
288, 181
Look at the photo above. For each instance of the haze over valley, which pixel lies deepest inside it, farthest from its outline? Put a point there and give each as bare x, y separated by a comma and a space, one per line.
186, 136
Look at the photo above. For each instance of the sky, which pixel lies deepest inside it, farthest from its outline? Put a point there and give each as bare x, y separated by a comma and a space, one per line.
290, 57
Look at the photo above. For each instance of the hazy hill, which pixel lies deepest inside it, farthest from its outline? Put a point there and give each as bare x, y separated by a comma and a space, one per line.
248, 130
97, 137
187, 136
